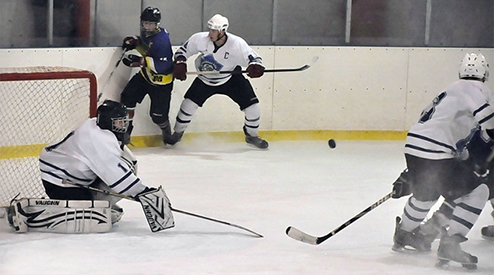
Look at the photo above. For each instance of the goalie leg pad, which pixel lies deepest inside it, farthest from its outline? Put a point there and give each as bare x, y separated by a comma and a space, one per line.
60, 216
157, 209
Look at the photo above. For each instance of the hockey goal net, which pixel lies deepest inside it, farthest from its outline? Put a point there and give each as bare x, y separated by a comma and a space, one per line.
39, 105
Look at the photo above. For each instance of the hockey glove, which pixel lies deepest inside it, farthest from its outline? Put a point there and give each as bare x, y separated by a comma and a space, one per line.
180, 69
402, 186
133, 60
255, 70
131, 42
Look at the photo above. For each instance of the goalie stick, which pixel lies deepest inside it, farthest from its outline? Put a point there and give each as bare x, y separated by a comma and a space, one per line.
173, 209
298, 235
299, 69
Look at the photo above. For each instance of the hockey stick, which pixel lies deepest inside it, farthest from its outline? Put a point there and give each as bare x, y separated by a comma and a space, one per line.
299, 69
173, 209
298, 235
109, 77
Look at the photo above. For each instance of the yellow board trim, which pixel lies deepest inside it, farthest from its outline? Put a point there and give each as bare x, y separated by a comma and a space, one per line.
33, 150
153, 141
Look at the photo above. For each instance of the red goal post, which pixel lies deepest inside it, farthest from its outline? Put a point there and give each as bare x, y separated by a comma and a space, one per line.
39, 105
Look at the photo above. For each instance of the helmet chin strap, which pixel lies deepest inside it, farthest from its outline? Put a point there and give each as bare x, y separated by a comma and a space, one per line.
219, 37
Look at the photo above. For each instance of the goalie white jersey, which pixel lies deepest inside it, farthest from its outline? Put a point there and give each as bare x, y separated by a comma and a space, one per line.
450, 119
235, 52
86, 154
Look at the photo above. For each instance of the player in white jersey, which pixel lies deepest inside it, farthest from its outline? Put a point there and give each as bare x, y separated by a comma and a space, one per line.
219, 51
431, 153
92, 155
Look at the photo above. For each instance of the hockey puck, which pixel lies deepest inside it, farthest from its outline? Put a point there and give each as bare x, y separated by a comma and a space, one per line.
332, 143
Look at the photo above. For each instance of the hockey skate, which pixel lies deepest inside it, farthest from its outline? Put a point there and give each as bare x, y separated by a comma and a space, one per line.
116, 213
174, 138
166, 134
488, 232
450, 250
433, 228
255, 140
413, 242
492, 213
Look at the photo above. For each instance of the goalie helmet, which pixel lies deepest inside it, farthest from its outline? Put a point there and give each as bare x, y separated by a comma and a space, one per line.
474, 66
218, 22
113, 116
150, 20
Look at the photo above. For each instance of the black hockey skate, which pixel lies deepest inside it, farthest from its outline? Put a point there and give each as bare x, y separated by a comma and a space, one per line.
488, 232
255, 140
174, 138
450, 250
166, 133
409, 242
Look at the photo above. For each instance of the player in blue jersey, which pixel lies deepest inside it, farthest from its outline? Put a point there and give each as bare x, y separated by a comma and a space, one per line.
155, 77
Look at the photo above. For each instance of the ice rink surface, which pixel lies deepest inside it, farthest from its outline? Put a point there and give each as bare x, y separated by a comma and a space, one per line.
300, 183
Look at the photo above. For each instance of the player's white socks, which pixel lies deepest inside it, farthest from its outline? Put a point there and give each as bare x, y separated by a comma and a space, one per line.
467, 210
187, 109
252, 119
414, 213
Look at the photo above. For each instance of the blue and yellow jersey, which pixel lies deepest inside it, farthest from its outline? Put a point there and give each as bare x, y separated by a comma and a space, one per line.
157, 51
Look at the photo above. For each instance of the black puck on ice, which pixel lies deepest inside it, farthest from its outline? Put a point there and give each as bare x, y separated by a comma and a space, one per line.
332, 143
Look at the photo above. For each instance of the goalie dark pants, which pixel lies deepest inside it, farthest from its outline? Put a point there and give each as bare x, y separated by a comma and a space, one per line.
66, 193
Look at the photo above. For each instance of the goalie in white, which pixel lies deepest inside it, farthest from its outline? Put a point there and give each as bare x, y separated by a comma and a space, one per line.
93, 156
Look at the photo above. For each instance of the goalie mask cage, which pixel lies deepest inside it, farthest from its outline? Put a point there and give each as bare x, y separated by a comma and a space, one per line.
39, 105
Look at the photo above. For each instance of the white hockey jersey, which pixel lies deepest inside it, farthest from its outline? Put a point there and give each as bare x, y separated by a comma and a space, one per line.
449, 120
85, 154
235, 52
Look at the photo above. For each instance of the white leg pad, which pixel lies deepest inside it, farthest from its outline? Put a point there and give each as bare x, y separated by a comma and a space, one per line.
60, 216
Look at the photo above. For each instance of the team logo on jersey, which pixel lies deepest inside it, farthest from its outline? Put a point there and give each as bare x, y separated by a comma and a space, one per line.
208, 63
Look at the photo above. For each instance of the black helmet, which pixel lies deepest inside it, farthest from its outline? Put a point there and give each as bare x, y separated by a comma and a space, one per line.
151, 14
113, 116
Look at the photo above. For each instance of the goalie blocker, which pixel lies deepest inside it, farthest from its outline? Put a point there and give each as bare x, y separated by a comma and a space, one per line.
157, 209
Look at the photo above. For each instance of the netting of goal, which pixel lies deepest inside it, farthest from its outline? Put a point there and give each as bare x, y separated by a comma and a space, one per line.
39, 105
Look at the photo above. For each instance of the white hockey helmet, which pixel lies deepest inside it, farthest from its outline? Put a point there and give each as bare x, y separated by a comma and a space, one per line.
218, 22
474, 66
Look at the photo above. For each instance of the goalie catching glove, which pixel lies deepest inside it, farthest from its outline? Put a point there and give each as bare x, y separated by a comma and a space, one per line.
157, 209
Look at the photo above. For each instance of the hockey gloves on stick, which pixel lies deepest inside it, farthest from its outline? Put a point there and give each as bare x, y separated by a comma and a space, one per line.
157, 209
131, 42
180, 69
255, 70
133, 60
402, 186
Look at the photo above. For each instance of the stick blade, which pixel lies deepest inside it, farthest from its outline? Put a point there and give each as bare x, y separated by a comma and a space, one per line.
298, 235
312, 62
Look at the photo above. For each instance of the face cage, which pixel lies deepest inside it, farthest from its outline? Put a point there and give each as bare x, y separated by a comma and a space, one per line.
120, 124
149, 32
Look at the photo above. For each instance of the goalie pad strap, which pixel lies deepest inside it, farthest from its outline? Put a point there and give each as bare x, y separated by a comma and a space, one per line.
156, 207
60, 216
